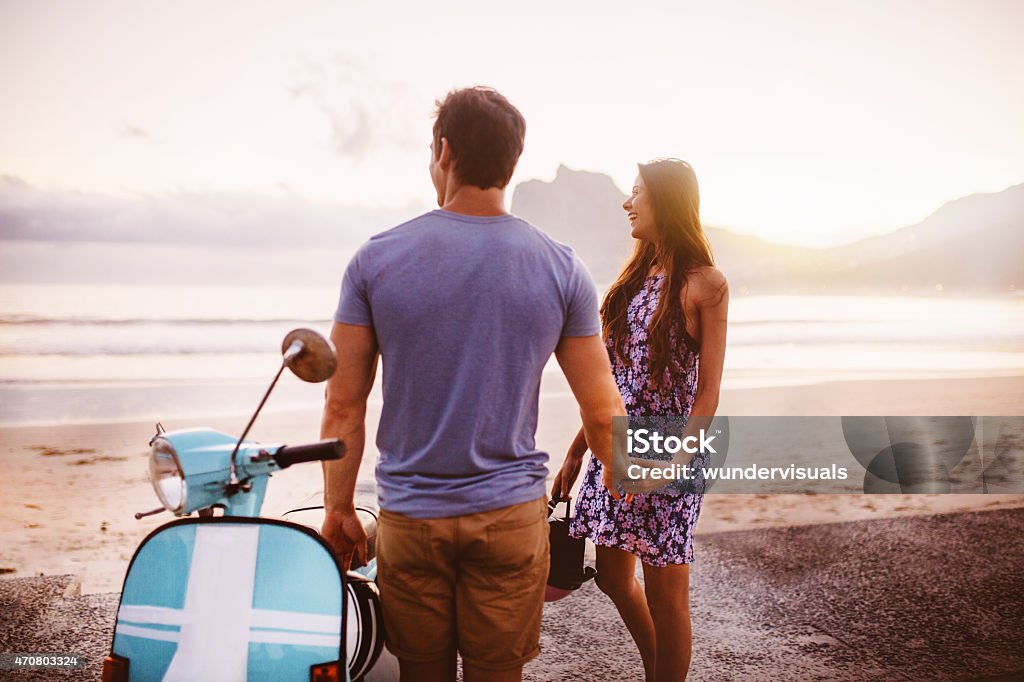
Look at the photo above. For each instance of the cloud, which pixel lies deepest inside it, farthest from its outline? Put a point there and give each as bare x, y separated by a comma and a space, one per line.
134, 132
366, 109
186, 217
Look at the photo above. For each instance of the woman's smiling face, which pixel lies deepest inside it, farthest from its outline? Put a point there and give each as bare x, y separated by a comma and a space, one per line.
640, 212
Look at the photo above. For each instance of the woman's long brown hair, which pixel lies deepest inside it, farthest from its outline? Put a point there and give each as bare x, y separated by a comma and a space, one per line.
681, 246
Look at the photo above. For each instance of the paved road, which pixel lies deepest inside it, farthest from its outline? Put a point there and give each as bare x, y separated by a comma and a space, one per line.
920, 598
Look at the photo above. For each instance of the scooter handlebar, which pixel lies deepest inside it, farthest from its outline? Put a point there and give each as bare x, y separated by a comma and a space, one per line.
294, 454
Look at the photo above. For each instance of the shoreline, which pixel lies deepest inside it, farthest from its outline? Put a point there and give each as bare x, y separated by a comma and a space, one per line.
69, 492
553, 385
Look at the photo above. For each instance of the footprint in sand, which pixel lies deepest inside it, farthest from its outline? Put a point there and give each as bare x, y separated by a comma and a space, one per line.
48, 451
96, 460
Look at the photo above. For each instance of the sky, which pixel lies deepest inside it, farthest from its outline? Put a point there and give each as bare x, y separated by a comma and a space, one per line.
810, 122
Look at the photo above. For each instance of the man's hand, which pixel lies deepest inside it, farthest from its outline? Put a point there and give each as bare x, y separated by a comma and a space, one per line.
344, 533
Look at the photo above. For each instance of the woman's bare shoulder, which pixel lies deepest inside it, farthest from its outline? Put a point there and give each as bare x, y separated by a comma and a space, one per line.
707, 285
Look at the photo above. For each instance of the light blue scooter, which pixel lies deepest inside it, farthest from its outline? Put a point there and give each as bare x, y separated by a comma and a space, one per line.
233, 597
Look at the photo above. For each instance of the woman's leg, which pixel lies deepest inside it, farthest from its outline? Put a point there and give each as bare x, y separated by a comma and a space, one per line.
616, 577
668, 598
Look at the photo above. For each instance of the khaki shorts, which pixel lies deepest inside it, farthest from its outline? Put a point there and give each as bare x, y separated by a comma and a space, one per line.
472, 584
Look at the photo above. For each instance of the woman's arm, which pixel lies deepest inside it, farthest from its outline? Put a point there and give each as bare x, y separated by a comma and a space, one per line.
579, 445
570, 469
713, 309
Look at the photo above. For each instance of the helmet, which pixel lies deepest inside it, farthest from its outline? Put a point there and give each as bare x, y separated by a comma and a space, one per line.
364, 626
313, 518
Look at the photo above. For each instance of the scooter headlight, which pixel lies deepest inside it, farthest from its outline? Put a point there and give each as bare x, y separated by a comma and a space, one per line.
166, 476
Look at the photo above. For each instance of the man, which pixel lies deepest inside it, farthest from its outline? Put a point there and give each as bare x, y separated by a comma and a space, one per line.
465, 306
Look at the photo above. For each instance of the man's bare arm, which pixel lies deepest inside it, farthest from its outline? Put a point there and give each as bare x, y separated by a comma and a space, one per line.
584, 361
344, 417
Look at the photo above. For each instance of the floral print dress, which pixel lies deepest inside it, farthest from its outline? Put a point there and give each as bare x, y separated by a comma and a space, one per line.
656, 527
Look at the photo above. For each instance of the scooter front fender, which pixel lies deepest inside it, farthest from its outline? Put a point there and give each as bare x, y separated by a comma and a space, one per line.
231, 598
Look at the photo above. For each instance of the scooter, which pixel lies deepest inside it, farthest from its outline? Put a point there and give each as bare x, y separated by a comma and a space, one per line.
236, 596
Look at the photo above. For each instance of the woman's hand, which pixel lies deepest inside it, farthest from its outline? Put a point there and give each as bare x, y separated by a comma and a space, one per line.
608, 479
609, 482
567, 475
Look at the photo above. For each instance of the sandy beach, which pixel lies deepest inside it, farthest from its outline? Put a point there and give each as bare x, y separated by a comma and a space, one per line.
69, 492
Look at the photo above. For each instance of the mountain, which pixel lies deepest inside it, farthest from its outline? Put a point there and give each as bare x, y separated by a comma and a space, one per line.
953, 221
584, 210
973, 244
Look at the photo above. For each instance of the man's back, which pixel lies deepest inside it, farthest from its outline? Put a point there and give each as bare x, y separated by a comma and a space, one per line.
467, 311
465, 306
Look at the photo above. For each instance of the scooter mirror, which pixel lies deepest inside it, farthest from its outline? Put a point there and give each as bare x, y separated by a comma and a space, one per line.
309, 355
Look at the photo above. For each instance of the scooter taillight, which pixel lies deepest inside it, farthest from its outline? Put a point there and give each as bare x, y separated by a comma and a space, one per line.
324, 672
115, 669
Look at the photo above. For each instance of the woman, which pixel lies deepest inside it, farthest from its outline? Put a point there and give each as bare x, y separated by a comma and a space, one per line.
664, 323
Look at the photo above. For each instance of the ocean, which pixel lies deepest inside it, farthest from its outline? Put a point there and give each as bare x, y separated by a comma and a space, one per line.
84, 353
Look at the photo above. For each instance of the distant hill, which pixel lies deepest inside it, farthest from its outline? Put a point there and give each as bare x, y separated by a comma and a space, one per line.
975, 243
972, 244
212, 218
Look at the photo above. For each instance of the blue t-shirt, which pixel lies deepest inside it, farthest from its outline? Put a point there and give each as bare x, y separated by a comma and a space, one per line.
467, 311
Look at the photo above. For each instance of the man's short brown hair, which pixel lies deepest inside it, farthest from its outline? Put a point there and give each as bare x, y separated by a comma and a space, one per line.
485, 134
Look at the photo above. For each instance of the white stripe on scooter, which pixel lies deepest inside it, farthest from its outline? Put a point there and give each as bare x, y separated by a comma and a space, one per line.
261, 618
261, 636
295, 638
214, 639
159, 615
296, 620
147, 633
